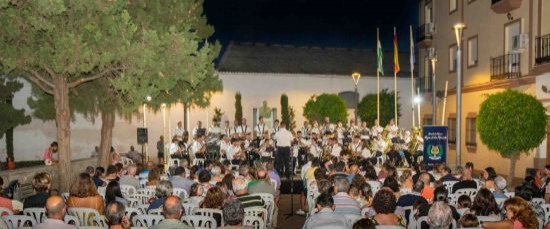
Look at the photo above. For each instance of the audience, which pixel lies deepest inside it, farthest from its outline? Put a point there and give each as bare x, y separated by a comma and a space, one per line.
241, 191
343, 202
130, 177
233, 214
113, 193
468, 220
55, 213
196, 194
180, 181
41, 184
446, 175
384, 204
484, 204
214, 200
518, 215
153, 178
440, 215
83, 194
467, 181
163, 190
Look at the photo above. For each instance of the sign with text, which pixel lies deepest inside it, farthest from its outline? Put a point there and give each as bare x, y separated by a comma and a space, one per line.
435, 144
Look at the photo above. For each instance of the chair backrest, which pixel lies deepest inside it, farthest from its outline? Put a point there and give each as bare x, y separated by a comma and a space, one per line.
18, 221
254, 222
143, 208
471, 192
311, 198
142, 183
488, 218
199, 221
128, 190
420, 220
351, 219
65, 196
5, 211
156, 211
269, 205
72, 220
364, 212
37, 214
374, 186
209, 212
189, 207
538, 201
449, 185
273, 182
256, 211
141, 198
179, 192
546, 208
146, 220
147, 191
86, 216
131, 212
101, 190
510, 194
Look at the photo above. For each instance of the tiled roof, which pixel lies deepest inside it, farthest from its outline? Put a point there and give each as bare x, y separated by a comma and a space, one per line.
273, 58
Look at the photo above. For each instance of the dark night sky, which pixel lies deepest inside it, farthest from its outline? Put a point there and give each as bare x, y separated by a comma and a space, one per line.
332, 23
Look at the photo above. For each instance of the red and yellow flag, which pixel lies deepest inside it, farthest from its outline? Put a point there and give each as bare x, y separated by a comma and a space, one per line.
396, 68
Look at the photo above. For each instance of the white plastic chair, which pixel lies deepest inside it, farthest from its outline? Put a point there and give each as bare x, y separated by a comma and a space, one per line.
364, 212
269, 205
37, 214
488, 219
146, 220
179, 191
101, 190
147, 191
188, 208
72, 220
471, 192
199, 221
173, 161
198, 161
131, 212
538, 201
254, 222
5, 211
128, 190
351, 219
87, 216
65, 196
311, 199
374, 186
510, 194
273, 182
449, 185
156, 211
143, 208
257, 212
546, 208
209, 212
18, 221
141, 199
142, 183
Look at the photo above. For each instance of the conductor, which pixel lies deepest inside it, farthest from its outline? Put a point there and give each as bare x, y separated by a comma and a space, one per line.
283, 139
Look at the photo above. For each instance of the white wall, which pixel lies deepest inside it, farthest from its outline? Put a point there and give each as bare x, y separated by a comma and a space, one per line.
30, 140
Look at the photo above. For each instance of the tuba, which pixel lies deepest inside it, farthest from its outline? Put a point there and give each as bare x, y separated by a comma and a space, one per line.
413, 144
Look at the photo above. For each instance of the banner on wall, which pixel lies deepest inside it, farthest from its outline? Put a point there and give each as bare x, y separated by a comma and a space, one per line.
435, 144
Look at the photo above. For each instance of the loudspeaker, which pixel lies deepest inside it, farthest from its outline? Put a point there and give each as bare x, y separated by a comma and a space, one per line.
142, 135
297, 189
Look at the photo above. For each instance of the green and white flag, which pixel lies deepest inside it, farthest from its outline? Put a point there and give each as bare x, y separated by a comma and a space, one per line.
379, 57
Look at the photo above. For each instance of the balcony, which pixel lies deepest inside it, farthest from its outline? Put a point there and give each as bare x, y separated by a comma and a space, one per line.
506, 67
505, 6
424, 84
542, 50
424, 35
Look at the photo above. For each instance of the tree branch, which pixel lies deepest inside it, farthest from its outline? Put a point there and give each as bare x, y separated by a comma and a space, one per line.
39, 77
94, 77
46, 88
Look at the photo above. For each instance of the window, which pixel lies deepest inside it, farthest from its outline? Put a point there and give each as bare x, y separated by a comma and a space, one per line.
427, 121
451, 123
452, 5
428, 13
512, 33
452, 58
472, 51
471, 133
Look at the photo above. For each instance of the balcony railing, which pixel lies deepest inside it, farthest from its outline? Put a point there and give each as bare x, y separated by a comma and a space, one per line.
506, 67
542, 49
505, 6
424, 35
425, 84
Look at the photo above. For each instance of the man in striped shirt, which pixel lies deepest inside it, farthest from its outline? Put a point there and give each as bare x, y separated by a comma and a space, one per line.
241, 191
344, 203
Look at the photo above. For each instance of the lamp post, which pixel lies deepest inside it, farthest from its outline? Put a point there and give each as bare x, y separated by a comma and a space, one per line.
144, 146
356, 77
458, 28
417, 101
163, 106
434, 116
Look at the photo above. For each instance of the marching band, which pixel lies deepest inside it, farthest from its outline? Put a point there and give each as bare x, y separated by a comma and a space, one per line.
242, 143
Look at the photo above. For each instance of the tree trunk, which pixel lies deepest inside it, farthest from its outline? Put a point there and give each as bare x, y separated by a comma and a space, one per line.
63, 122
9, 135
107, 125
512, 171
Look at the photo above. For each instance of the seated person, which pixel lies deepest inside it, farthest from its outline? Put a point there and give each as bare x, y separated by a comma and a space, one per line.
83, 194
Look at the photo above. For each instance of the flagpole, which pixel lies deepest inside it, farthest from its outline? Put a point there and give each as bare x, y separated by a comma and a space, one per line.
412, 73
444, 104
418, 107
378, 79
395, 76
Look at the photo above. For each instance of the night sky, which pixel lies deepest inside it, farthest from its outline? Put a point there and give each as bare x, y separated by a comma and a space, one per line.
326, 23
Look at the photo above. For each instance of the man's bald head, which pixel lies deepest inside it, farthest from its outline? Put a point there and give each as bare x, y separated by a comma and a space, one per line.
262, 174
55, 207
239, 186
172, 207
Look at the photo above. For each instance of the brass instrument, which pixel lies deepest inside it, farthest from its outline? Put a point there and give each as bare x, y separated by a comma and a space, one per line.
413, 144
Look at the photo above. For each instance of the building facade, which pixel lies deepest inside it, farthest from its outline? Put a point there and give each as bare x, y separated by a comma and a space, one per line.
505, 44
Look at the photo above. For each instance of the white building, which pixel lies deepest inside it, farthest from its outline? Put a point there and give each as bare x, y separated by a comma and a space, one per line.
259, 72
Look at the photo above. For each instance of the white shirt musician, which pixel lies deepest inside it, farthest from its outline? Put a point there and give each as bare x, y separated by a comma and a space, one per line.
235, 151
260, 128
364, 131
225, 145
215, 128
283, 137
314, 148
276, 127
198, 145
267, 146
340, 132
173, 147
179, 131
315, 128
335, 148
366, 153
305, 130
227, 130
327, 126
376, 129
356, 145
380, 144
198, 129
392, 129
352, 128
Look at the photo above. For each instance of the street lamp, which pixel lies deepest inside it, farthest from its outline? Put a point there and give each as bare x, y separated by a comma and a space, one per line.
434, 116
458, 28
356, 77
144, 146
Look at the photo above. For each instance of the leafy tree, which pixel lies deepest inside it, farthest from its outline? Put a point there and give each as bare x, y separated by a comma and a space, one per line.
367, 110
292, 114
511, 123
238, 108
9, 116
326, 105
285, 113
141, 47
218, 114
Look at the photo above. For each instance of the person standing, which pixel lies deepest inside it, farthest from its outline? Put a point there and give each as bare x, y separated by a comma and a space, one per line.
160, 150
283, 138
